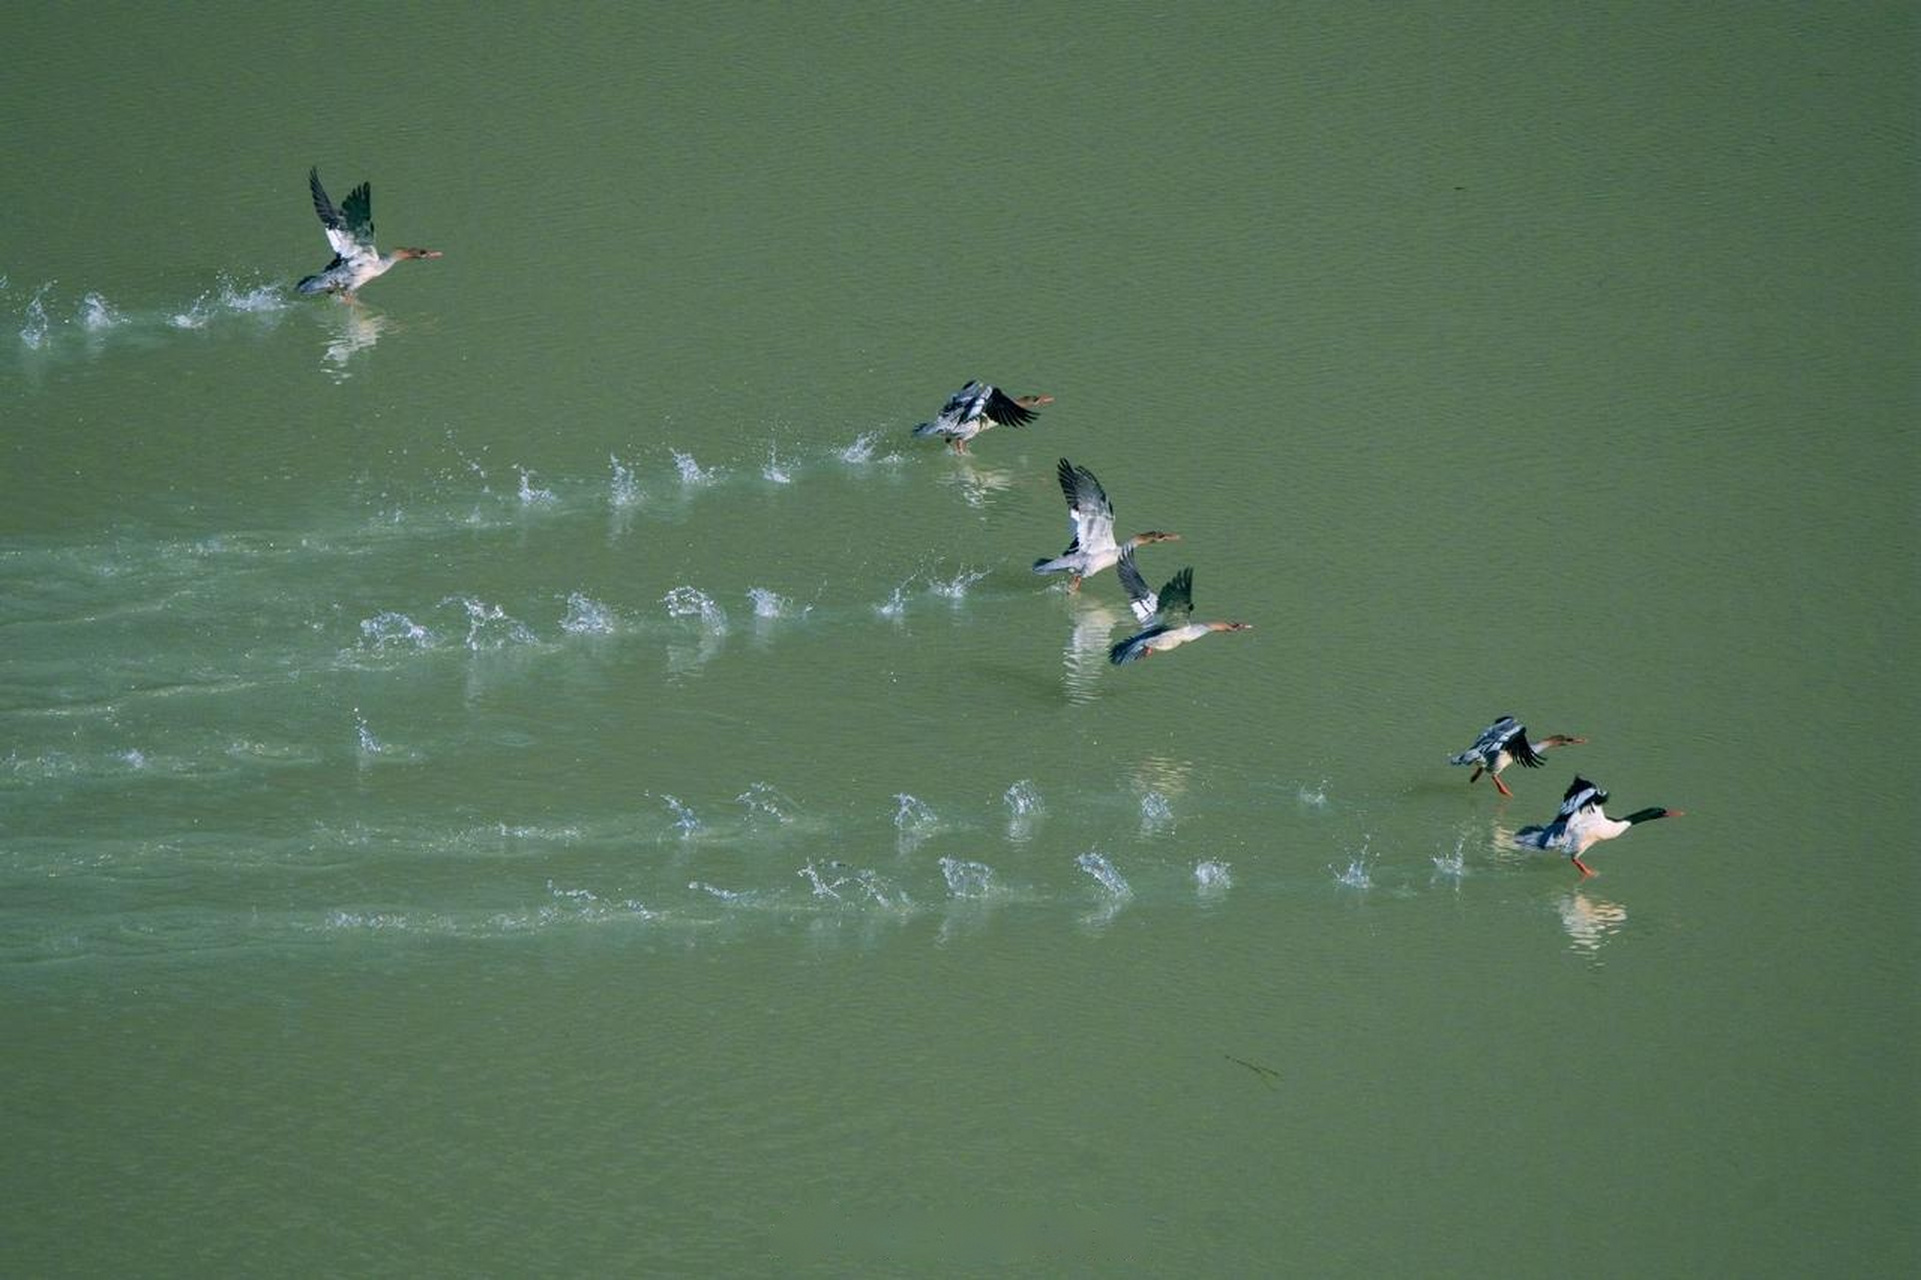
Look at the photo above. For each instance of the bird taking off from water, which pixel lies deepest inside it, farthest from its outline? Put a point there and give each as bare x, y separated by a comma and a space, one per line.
975, 408
1160, 610
1504, 743
1090, 521
1581, 824
350, 230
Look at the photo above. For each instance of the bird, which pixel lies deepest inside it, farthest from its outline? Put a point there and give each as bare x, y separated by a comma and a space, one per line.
1090, 519
1504, 743
1582, 823
1158, 610
350, 230
976, 407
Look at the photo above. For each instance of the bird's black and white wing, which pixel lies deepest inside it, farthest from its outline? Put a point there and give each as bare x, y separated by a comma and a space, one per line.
1002, 410
1090, 515
350, 229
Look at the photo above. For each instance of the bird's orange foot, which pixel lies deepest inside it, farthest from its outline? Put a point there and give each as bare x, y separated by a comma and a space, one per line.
1501, 786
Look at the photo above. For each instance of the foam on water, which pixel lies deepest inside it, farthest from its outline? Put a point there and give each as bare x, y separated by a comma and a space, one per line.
967, 879
586, 616
1096, 864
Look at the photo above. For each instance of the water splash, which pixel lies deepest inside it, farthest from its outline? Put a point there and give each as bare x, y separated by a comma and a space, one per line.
684, 819
967, 879
1213, 877
530, 496
773, 472
1023, 800
955, 588
96, 315
259, 300
132, 757
489, 626
1314, 797
913, 817
624, 489
1157, 813
861, 451
828, 880
725, 895
894, 608
586, 616
691, 472
367, 744
1452, 864
1024, 809
395, 629
1096, 864
769, 604
687, 602
1357, 874
763, 799
34, 332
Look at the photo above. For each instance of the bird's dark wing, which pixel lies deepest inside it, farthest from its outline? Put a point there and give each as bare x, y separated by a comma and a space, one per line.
1522, 751
359, 210
1002, 409
1143, 601
329, 216
1178, 595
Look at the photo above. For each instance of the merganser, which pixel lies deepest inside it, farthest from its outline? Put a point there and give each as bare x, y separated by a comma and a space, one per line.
1504, 743
1090, 519
1176, 599
350, 230
975, 408
1582, 823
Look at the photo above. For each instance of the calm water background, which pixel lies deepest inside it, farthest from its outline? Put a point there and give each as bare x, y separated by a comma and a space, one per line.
541, 773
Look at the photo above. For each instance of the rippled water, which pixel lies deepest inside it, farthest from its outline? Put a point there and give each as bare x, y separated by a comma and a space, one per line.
542, 772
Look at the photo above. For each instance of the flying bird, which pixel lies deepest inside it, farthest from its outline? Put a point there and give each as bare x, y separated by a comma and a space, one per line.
1503, 743
1159, 611
1090, 521
350, 230
976, 407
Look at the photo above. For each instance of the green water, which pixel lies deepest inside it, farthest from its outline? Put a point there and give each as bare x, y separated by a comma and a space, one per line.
401, 874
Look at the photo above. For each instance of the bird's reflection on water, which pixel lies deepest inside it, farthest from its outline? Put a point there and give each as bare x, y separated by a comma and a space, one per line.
355, 329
